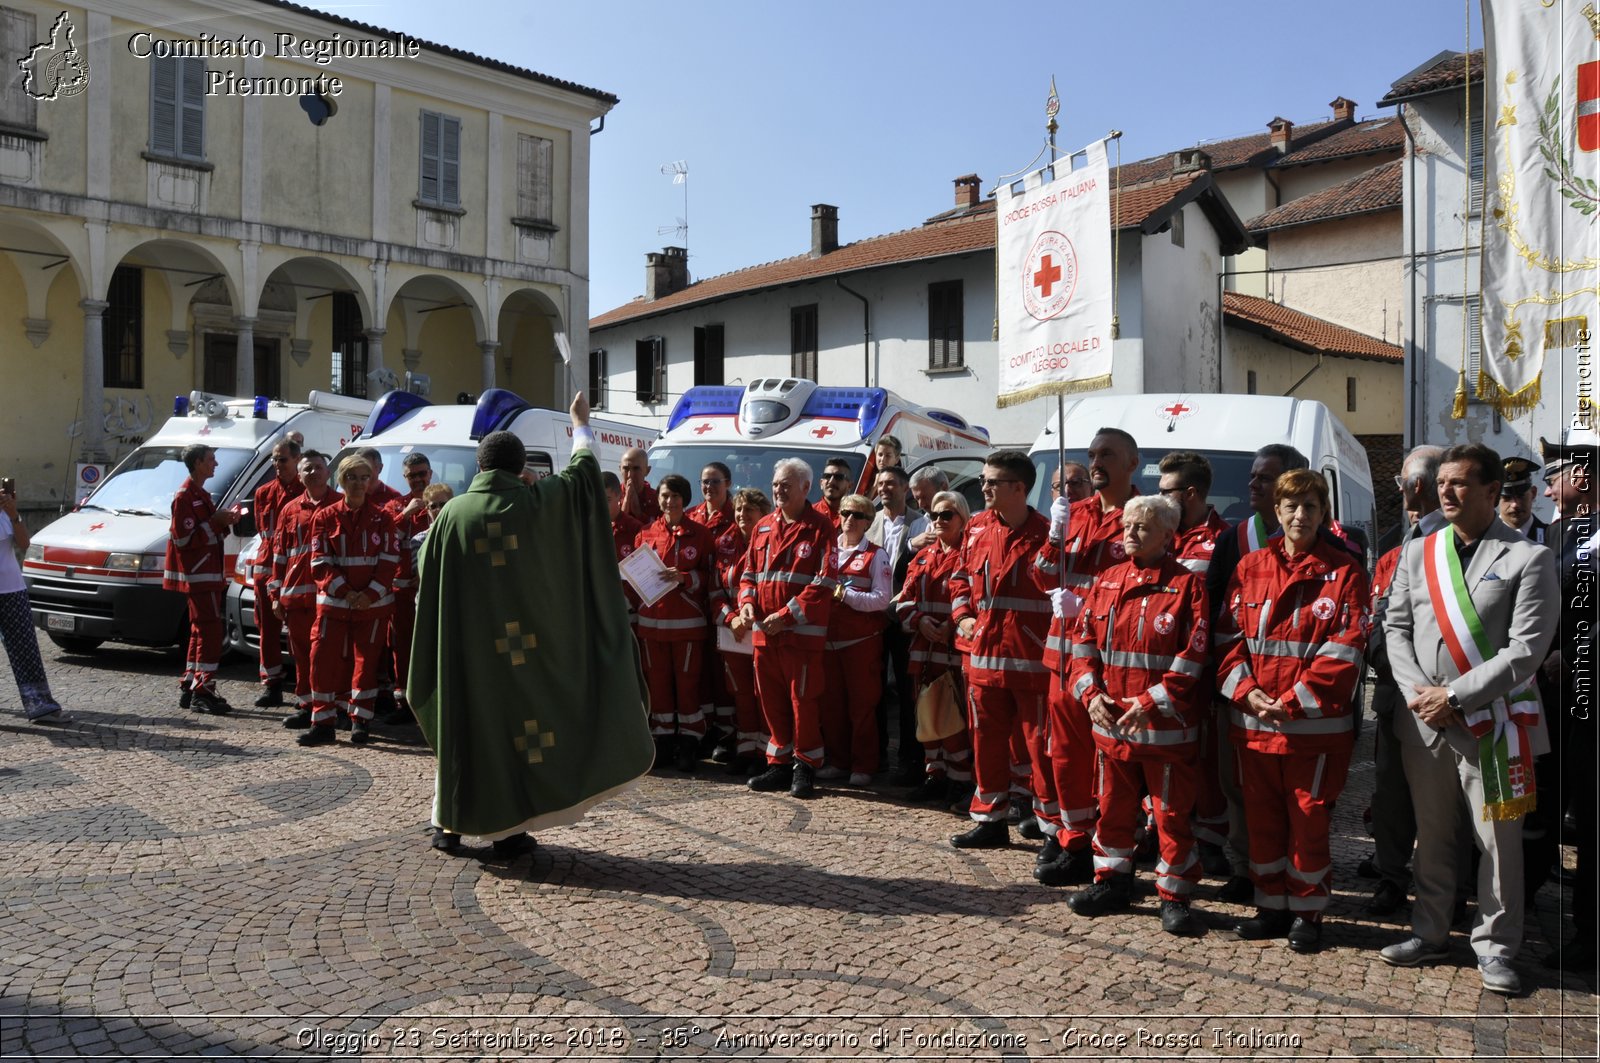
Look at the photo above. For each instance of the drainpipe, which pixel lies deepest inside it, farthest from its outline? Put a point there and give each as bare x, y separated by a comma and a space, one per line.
1412, 358
866, 333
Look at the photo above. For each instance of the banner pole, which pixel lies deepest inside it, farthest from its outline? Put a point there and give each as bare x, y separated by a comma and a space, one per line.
1061, 563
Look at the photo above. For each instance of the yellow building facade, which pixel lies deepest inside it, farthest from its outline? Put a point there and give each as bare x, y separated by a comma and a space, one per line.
173, 217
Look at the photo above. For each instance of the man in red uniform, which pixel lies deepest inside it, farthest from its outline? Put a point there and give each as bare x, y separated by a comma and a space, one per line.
1002, 614
638, 497
715, 514
624, 529
194, 569
786, 591
270, 499
292, 591
837, 482
411, 518
379, 492
1091, 542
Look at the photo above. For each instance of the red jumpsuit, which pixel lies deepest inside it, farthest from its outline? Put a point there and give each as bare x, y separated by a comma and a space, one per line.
292, 585
1094, 544
715, 700
789, 570
194, 569
738, 669
672, 632
1006, 680
1193, 550
1144, 635
382, 494
1296, 629
925, 594
351, 551
854, 661
624, 530
404, 618
270, 498
829, 511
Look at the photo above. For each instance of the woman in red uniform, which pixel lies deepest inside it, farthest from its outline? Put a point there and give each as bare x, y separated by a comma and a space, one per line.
739, 669
1292, 633
672, 632
923, 610
1138, 653
854, 661
353, 560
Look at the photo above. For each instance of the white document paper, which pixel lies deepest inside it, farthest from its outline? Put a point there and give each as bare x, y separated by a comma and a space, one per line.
647, 575
726, 643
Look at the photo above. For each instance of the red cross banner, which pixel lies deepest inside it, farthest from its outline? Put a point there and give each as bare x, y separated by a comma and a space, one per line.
1055, 280
1541, 232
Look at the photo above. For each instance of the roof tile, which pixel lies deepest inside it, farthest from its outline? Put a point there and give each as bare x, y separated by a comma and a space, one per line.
1363, 138
1302, 331
1446, 71
1378, 189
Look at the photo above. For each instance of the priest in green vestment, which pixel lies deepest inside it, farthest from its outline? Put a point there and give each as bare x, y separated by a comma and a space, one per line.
525, 675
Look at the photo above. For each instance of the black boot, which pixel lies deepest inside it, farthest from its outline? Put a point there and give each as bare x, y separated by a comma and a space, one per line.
1266, 923
1075, 866
776, 777
991, 835
271, 697
1112, 894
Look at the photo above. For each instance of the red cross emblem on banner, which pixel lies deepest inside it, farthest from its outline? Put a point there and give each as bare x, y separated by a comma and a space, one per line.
428, 425
1046, 276
822, 433
701, 430
97, 527
1589, 106
1177, 409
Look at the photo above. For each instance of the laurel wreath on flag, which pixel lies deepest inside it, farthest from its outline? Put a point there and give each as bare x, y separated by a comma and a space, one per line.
1582, 193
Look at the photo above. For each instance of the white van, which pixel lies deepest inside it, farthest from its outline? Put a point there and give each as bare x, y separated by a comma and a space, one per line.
1227, 430
95, 573
401, 423
749, 429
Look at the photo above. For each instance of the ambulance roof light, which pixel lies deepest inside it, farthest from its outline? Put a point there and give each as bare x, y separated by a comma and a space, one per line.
496, 408
706, 400
866, 405
390, 408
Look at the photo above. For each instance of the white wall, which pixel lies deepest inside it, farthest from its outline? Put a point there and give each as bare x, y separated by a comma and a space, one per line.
1368, 295
1180, 307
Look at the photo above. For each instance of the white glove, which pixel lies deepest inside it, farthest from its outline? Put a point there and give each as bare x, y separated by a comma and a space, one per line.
1065, 604
1060, 519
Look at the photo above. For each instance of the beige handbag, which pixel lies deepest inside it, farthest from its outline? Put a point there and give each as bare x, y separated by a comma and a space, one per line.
939, 712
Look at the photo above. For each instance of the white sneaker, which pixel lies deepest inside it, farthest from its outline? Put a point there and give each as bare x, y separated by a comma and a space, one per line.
830, 773
861, 778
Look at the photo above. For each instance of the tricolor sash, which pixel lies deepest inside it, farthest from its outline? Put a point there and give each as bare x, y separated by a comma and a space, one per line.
1504, 756
1253, 534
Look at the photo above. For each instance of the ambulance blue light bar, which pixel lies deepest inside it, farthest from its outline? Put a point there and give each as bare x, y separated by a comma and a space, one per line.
864, 404
497, 407
258, 409
706, 400
180, 405
390, 408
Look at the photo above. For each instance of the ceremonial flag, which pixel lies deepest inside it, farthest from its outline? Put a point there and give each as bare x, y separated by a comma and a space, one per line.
1055, 277
1541, 236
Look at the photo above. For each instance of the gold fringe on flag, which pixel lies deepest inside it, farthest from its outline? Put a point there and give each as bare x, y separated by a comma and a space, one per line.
1509, 403
1458, 408
1059, 387
1515, 808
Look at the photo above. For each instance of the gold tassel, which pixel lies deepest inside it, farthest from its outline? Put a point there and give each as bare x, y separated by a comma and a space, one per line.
1458, 409
1515, 808
1510, 404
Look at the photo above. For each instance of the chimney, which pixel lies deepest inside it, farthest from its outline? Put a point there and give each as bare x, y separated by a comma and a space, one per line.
1282, 134
665, 272
1190, 160
1344, 110
967, 191
824, 229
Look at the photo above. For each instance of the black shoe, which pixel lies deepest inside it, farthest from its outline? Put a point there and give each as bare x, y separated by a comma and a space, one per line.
1073, 869
271, 698
960, 795
908, 774
743, 765
1030, 829
444, 841
1109, 895
1266, 923
319, 735
401, 716
1305, 935
383, 703
1237, 890
185, 696
726, 752
687, 753
1015, 814
299, 721
776, 777
932, 788
1049, 854
803, 781
991, 835
211, 704
360, 733
1176, 918
1214, 862
1386, 899
342, 720
515, 845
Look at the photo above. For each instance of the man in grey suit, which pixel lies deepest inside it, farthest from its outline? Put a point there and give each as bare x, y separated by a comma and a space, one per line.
1512, 586
897, 523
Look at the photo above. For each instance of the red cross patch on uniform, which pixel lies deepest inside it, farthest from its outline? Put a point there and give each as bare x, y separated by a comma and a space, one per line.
690, 553
1118, 551
1163, 623
1322, 608
802, 550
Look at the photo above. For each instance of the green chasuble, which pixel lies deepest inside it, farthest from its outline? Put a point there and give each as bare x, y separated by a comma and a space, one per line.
525, 675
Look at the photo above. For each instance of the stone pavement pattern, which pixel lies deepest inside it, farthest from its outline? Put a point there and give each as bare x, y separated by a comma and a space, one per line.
175, 885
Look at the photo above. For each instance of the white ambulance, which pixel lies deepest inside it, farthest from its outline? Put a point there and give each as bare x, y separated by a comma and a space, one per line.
1227, 430
749, 429
95, 573
402, 423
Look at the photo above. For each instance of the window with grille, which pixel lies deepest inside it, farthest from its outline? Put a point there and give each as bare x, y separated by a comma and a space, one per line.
122, 329
803, 342
534, 162
945, 326
650, 370
439, 170
178, 107
349, 347
599, 378
708, 354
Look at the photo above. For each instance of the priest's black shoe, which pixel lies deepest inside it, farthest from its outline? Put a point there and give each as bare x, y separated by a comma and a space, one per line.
1266, 923
992, 835
1104, 897
444, 841
803, 783
776, 777
319, 735
1305, 935
515, 845
1237, 890
1386, 899
1176, 918
1073, 869
299, 721
271, 697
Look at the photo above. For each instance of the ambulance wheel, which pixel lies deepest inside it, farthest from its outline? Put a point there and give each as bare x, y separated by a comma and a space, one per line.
76, 644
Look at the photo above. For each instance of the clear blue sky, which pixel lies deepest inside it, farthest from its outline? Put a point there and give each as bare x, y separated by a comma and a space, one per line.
877, 106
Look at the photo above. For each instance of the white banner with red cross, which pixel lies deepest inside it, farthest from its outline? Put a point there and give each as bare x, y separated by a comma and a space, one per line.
1541, 228
1055, 279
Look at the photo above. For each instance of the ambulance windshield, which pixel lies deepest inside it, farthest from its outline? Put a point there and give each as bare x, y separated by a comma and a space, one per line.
751, 465
147, 479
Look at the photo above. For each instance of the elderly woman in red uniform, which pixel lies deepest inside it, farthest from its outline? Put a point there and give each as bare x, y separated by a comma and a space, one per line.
1292, 632
1138, 654
854, 661
354, 558
739, 668
672, 632
923, 609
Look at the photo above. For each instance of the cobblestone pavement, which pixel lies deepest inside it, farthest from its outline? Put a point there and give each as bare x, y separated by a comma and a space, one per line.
178, 885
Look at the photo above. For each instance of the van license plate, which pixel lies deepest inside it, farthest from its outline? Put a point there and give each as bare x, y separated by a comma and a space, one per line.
59, 623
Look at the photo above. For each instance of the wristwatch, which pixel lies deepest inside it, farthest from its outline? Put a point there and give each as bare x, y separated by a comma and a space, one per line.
1451, 699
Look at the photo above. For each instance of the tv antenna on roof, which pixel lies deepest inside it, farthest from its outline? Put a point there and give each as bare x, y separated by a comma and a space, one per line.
680, 176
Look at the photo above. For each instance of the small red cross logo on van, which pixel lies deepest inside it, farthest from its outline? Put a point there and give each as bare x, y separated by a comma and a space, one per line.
428, 425
1178, 409
96, 527
822, 433
703, 429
